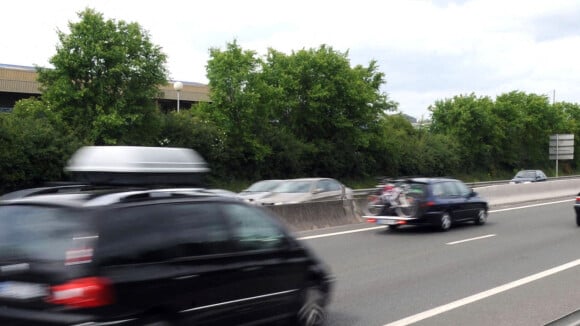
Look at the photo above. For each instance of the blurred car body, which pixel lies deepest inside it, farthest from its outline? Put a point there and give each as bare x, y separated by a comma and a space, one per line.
527, 176
140, 254
577, 209
259, 190
307, 190
439, 202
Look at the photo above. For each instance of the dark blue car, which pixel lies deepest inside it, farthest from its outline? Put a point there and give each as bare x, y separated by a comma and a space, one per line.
439, 202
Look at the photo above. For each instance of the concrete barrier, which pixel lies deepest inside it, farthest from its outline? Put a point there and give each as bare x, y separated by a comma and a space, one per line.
526, 192
317, 215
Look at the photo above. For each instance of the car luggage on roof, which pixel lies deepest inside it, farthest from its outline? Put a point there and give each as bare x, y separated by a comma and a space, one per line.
135, 165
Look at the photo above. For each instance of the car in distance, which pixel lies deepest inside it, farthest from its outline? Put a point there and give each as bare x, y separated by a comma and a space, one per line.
302, 190
439, 202
527, 176
259, 190
137, 253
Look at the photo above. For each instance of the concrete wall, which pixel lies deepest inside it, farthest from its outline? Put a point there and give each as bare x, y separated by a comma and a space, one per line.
311, 216
317, 215
517, 193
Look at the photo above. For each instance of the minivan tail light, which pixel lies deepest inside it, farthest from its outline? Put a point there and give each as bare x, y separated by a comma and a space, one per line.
578, 200
87, 292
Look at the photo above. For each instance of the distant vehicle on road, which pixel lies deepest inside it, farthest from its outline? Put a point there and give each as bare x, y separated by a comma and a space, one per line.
259, 190
295, 191
527, 176
439, 202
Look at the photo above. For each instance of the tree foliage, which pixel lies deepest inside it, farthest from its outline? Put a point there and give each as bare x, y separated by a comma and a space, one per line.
106, 74
325, 110
509, 133
35, 146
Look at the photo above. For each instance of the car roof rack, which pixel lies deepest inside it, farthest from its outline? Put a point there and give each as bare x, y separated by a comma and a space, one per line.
137, 166
43, 191
148, 194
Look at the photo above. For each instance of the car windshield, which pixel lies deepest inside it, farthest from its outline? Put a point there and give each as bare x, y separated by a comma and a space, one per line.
294, 187
263, 186
526, 174
38, 233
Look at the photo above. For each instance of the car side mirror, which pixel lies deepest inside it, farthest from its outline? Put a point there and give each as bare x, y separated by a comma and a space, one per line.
472, 193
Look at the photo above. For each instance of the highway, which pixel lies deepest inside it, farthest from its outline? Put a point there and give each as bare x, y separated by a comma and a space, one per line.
521, 268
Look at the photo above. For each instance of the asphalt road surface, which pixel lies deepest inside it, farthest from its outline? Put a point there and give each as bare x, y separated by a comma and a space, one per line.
521, 268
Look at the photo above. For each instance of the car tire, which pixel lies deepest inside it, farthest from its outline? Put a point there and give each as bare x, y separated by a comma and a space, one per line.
481, 217
393, 227
445, 222
312, 311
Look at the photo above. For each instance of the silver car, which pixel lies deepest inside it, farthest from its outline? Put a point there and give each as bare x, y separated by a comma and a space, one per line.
259, 190
306, 190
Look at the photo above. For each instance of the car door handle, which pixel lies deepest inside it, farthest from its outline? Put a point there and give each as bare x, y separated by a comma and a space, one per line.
252, 268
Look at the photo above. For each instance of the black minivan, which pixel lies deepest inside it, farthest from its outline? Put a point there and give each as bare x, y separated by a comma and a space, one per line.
126, 255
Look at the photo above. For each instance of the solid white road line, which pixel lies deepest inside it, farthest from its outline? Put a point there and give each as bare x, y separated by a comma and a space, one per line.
340, 233
533, 205
482, 295
471, 239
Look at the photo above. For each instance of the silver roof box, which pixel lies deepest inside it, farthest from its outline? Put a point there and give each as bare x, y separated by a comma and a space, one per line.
136, 165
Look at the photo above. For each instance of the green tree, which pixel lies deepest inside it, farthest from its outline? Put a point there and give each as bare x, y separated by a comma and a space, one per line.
106, 74
35, 146
470, 121
527, 121
232, 75
326, 103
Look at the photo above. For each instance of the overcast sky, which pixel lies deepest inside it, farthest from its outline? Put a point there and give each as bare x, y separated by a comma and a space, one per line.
429, 50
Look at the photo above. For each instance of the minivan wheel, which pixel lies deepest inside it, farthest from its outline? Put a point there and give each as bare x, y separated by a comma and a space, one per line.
445, 222
312, 312
481, 217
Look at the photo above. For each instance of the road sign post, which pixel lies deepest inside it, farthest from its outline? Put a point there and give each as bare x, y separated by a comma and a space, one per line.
561, 148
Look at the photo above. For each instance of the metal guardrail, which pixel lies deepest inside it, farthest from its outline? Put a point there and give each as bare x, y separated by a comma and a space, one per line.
363, 192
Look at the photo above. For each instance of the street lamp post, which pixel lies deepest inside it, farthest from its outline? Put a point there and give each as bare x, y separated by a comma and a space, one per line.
178, 86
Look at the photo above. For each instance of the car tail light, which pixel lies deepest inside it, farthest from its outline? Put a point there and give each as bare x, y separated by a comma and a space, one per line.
82, 293
578, 200
428, 204
371, 220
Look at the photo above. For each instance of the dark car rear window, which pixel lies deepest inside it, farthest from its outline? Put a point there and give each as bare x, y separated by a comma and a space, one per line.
39, 233
414, 188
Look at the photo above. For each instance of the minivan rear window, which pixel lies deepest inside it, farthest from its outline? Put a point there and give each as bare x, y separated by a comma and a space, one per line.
38, 233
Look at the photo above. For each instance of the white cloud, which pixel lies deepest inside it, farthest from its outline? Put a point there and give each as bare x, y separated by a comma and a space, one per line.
429, 50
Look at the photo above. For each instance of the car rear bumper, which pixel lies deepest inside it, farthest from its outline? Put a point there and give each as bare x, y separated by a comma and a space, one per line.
392, 220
